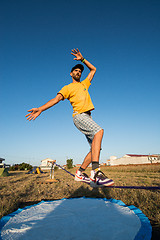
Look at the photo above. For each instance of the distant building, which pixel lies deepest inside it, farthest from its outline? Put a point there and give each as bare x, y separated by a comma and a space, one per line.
111, 160
78, 165
133, 159
102, 164
154, 158
45, 164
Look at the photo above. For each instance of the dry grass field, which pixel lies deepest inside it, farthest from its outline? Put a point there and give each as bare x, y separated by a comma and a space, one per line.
20, 189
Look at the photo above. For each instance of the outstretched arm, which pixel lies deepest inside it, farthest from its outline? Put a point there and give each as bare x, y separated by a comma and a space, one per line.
79, 57
35, 112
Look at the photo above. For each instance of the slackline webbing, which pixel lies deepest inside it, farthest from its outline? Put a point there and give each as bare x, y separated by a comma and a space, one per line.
126, 187
65, 170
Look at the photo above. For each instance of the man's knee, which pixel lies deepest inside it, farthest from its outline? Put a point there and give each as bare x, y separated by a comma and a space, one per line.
100, 133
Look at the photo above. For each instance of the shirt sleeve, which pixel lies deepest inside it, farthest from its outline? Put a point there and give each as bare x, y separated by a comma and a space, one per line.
64, 91
86, 83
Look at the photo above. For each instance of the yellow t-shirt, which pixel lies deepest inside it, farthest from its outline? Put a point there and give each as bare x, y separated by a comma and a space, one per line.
78, 95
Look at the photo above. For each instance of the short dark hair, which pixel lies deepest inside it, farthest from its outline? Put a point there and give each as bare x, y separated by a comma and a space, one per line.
80, 66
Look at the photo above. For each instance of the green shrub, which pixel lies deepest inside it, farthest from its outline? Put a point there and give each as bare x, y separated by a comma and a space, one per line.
21, 167
69, 163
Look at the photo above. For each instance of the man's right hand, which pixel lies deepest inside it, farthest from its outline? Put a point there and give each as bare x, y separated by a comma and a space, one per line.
34, 113
77, 54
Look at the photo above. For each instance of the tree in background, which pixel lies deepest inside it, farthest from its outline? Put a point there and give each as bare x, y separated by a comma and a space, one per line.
20, 167
69, 163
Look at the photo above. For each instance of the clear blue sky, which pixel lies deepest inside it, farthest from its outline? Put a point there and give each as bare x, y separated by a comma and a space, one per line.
121, 38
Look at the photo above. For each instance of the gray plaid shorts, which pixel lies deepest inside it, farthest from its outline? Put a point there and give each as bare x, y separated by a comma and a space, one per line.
86, 125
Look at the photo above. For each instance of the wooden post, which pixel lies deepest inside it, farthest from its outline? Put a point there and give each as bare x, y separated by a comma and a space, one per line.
52, 179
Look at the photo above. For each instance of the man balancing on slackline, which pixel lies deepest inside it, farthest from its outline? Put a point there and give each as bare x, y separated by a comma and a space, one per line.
77, 93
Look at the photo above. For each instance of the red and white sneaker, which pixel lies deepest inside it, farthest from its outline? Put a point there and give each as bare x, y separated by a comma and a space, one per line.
81, 177
98, 179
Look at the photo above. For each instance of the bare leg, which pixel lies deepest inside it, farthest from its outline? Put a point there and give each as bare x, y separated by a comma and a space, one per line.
95, 150
86, 161
96, 146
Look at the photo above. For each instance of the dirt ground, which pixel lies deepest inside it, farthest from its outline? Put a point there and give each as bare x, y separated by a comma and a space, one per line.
21, 189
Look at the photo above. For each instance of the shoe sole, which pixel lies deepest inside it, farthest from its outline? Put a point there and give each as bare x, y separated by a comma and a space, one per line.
95, 185
81, 180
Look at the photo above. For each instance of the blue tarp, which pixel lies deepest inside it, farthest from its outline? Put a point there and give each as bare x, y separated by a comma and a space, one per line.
94, 218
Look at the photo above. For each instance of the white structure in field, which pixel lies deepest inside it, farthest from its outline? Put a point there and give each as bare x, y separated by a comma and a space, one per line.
133, 159
3, 165
45, 164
